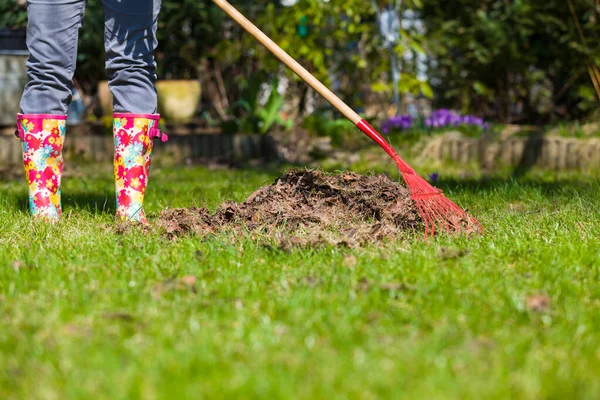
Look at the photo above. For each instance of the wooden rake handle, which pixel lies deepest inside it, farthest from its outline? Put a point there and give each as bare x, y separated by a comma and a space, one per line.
289, 61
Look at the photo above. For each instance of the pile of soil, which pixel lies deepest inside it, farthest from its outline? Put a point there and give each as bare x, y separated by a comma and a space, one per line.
307, 208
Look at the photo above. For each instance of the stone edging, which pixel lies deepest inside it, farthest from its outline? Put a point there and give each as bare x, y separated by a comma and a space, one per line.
555, 153
227, 148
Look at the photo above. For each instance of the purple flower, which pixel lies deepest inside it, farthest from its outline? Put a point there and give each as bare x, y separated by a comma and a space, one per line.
434, 177
440, 118
385, 128
443, 117
400, 122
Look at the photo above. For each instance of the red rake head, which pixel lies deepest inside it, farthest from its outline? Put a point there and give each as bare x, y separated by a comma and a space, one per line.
437, 211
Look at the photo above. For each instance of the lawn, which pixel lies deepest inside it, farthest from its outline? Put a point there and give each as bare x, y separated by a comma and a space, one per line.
86, 312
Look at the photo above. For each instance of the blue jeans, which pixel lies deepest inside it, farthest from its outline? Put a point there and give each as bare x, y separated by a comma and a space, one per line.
129, 41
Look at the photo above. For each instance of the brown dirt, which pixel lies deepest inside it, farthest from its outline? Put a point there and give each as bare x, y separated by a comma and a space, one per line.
306, 208
538, 303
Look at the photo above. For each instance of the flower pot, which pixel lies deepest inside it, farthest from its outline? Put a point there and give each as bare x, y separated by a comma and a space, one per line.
177, 99
105, 98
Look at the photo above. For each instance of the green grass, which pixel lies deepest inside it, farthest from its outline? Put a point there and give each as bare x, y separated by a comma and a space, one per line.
85, 313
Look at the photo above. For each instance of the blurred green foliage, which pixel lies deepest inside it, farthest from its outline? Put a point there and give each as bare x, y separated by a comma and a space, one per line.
12, 14
339, 42
512, 61
323, 123
250, 116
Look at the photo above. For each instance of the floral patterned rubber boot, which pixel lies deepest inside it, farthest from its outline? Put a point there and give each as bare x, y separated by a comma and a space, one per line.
42, 137
133, 134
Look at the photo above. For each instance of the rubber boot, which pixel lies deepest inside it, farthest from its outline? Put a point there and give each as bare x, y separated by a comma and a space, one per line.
133, 135
42, 137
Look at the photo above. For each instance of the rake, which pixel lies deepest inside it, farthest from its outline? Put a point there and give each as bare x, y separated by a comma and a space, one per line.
436, 210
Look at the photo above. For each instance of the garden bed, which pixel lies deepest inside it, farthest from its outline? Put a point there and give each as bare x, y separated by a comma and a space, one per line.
546, 152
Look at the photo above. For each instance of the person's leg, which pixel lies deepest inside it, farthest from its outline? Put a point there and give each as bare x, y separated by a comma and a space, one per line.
52, 34
130, 41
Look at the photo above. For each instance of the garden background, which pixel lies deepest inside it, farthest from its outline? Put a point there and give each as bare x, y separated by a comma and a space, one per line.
495, 102
523, 62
